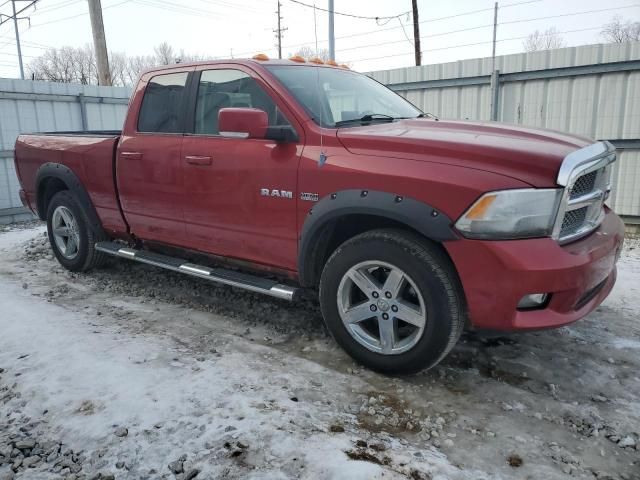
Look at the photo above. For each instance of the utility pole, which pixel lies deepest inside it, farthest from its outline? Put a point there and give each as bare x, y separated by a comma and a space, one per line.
495, 31
15, 25
332, 37
5, 18
495, 74
99, 42
416, 33
279, 30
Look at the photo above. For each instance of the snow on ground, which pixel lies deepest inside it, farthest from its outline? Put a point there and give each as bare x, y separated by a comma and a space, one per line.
134, 372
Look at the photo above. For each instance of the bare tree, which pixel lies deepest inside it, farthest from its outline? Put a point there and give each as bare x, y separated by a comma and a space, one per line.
547, 40
78, 65
308, 53
136, 65
66, 65
118, 66
617, 31
164, 54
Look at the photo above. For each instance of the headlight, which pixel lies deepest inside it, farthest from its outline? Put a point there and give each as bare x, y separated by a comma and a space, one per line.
509, 214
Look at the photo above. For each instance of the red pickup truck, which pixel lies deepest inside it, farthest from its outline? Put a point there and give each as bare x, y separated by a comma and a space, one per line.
278, 175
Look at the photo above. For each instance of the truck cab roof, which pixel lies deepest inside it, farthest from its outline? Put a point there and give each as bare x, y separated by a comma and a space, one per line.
249, 62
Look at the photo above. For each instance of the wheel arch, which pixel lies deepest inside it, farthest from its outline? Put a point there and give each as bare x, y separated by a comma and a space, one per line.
344, 214
52, 178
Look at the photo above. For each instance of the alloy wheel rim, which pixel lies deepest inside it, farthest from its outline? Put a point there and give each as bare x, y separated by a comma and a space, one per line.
381, 307
65, 232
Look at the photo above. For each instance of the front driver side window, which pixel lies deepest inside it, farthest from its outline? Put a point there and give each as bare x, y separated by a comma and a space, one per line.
230, 88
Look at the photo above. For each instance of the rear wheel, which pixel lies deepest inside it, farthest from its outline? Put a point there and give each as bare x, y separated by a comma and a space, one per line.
392, 300
70, 234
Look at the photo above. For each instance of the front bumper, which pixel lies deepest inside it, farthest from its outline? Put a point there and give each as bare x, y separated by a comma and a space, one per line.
495, 275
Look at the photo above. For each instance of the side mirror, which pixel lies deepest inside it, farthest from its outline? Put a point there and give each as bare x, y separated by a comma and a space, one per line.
283, 134
242, 122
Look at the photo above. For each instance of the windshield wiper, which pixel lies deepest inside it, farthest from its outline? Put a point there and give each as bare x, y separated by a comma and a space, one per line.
371, 117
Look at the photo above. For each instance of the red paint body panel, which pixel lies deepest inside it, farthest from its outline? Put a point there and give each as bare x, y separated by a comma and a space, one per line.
90, 158
497, 274
252, 121
151, 188
224, 212
528, 154
205, 193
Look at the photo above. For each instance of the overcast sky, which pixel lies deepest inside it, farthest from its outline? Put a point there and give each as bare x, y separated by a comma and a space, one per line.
450, 30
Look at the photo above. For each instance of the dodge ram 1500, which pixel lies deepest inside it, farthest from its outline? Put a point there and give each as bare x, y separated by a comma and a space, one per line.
278, 175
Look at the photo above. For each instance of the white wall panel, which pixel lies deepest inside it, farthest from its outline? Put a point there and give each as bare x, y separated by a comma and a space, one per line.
44, 114
604, 106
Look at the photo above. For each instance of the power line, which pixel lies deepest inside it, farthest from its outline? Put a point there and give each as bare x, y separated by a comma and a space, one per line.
351, 15
431, 20
469, 12
15, 19
570, 14
177, 8
524, 20
170, 6
468, 45
78, 15
432, 35
242, 8
57, 6
15, 55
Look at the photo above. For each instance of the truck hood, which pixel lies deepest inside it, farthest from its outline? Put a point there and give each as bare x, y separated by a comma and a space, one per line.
530, 155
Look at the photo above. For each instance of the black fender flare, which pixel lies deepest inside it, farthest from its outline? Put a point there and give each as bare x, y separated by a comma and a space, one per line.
73, 184
425, 219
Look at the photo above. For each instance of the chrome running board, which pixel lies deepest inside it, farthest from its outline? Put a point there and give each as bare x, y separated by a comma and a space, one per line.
220, 275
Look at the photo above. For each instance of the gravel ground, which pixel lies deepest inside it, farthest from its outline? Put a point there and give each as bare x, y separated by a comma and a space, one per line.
134, 372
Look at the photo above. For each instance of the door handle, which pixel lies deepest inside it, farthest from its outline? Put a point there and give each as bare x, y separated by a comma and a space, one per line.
198, 160
131, 155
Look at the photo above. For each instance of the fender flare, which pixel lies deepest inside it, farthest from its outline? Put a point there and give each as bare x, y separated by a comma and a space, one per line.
75, 187
425, 219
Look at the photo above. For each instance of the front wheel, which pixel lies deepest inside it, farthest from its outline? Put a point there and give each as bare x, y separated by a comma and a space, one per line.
392, 300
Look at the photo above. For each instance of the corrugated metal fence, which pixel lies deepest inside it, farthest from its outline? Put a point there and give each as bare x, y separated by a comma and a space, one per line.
592, 90
27, 106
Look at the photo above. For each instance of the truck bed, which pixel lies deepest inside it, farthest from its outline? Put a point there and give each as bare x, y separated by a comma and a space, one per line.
90, 155
82, 133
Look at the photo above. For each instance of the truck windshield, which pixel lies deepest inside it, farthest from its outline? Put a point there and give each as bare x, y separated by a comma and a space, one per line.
341, 98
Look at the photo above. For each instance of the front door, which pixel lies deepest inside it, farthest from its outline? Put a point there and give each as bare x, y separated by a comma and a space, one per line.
149, 162
240, 194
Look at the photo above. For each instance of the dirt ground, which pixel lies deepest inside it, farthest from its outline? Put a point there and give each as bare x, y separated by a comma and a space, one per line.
134, 372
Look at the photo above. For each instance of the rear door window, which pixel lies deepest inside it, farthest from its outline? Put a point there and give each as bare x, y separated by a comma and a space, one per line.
163, 104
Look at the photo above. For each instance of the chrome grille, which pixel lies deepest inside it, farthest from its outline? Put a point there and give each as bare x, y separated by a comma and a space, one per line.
584, 185
573, 220
585, 176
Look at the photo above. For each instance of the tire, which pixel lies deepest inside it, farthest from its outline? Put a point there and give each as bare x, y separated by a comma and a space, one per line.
423, 288
66, 217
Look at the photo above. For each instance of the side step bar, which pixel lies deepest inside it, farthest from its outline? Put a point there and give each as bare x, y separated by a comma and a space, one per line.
220, 275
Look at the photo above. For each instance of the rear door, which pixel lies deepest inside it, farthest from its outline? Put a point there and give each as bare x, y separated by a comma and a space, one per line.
240, 194
149, 165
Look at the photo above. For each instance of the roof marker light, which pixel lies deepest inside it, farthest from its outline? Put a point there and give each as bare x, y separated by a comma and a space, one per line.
342, 65
316, 60
297, 58
333, 63
260, 56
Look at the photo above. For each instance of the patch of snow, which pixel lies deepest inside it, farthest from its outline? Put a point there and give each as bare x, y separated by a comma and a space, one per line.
93, 379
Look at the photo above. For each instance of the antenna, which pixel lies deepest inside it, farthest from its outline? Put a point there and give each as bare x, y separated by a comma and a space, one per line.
323, 156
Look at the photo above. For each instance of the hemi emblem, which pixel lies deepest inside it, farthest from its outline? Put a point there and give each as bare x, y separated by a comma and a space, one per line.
265, 192
310, 197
